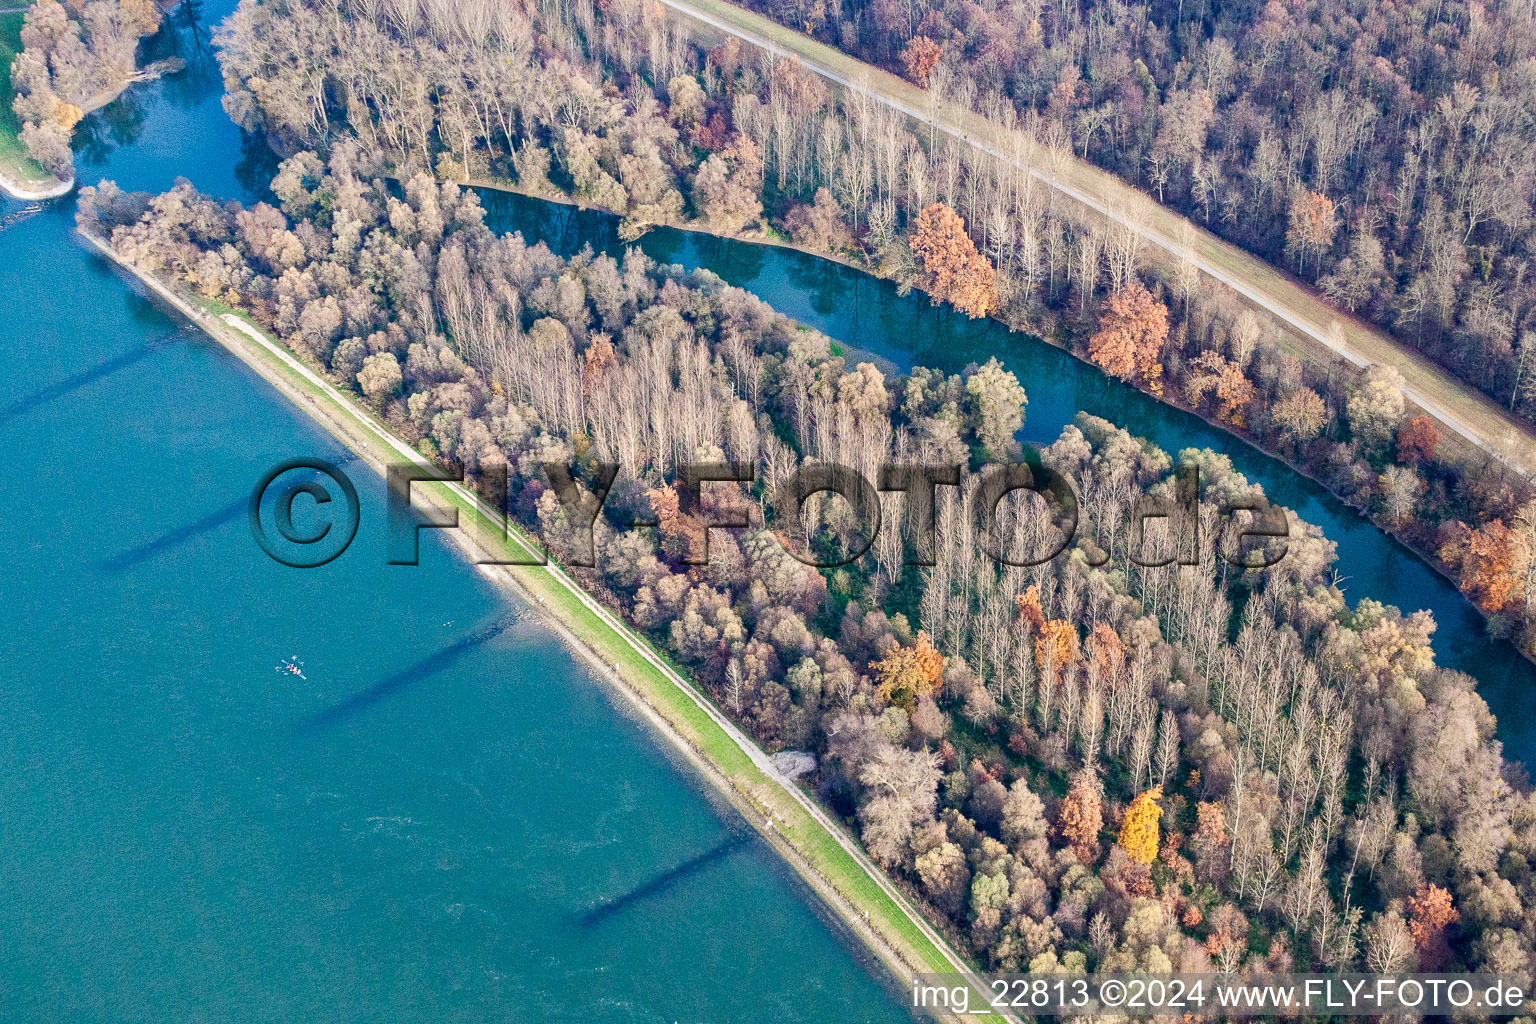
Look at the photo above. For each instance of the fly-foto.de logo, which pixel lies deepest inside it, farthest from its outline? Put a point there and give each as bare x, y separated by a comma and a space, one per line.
1255, 532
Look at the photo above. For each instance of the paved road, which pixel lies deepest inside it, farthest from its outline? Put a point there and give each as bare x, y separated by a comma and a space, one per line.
1463, 409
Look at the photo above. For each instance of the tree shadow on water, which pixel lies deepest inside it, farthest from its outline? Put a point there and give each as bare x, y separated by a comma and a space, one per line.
90, 375
392, 684
664, 880
236, 509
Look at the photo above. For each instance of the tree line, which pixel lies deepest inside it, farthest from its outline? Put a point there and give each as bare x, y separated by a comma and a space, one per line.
1381, 152
617, 108
1091, 762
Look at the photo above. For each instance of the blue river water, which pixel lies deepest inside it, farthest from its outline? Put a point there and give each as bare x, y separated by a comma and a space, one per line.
448, 820
869, 314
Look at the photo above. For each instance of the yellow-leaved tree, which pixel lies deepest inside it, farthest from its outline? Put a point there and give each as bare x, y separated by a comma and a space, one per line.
1057, 648
908, 673
1138, 832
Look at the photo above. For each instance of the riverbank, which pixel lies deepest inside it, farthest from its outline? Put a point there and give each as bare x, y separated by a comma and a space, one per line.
1288, 302
760, 237
18, 183
21, 177
1414, 544
816, 846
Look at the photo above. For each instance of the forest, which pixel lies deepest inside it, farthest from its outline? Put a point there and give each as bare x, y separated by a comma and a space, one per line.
1380, 151
1086, 763
617, 108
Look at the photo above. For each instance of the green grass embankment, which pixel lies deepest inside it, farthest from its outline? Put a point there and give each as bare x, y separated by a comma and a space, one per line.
810, 841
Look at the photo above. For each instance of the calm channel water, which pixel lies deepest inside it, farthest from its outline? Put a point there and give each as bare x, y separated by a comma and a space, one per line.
869, 314
449, 820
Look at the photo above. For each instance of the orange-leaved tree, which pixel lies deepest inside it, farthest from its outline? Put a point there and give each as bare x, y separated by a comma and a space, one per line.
909, 673
1081, 816
682, 534
1133, 327
956, 271
1417, 440
1313, 225
1028, 604
1138, 831
1211, 832
1487, 558
929, 661
1213, 372
1430, 913
599, 357
920, 57
1106, 651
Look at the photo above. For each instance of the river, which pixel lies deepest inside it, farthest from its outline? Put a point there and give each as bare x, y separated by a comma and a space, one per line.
868, 314
449, 820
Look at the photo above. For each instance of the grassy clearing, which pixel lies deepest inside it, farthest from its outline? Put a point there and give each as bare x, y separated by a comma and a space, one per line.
11, 151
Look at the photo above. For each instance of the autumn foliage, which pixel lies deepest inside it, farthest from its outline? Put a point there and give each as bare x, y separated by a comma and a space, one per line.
1213, 372
1211, 830
1106, 651
920, 57
1057, 646
929, 661
1081, 817
600, 355
1488, 559
67, 115
1228, 937
1028, 604
1417, 440
1430, 913
682, 534
1133, 328
1138, 831
956, 272
909, 673
1313, 225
